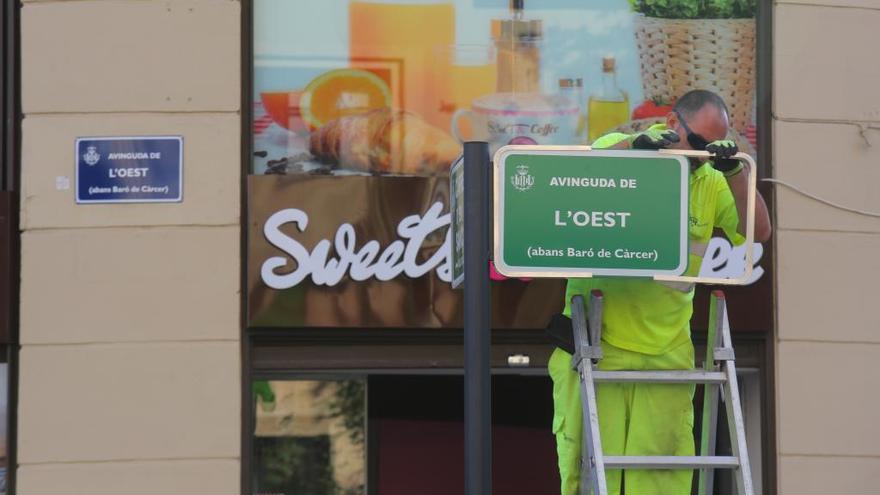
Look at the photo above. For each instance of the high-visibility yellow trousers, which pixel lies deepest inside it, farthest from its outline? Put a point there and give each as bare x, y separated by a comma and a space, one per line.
634, 419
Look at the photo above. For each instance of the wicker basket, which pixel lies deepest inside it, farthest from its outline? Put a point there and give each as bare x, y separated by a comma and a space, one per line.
678, 55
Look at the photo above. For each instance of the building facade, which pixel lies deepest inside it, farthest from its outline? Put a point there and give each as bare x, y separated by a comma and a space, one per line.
149, 352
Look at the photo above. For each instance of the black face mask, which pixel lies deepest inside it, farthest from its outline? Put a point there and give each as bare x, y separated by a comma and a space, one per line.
696, 141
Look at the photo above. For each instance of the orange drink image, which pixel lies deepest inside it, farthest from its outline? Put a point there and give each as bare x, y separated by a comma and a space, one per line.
406, 34
472, 74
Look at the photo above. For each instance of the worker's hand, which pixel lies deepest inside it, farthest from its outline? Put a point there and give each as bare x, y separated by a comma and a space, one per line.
722, 149
722, 162
653, 139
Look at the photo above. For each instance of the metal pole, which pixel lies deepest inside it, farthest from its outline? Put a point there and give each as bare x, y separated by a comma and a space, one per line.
477, 321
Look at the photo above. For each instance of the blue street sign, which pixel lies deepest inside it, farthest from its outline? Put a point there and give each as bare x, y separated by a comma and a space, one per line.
129, 169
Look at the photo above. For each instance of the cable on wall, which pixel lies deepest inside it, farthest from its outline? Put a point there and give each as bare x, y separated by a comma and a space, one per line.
822, 200
864, 126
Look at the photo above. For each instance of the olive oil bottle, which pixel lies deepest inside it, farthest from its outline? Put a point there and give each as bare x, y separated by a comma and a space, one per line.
608, 108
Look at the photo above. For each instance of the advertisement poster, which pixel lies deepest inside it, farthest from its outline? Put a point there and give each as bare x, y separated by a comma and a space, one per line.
361, 106
372, 87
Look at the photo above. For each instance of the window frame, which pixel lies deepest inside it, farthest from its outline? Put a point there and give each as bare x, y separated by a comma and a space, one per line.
252, 340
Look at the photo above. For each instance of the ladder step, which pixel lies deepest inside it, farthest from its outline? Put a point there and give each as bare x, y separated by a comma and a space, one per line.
670, 462
683, 376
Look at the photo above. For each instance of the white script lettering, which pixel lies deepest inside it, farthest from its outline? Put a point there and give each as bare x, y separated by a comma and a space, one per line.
361, 264
724, 260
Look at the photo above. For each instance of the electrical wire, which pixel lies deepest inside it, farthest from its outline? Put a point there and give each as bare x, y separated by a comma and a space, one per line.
864, 126
824, 201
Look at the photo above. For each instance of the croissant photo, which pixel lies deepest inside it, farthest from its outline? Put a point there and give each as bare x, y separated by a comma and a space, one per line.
384, 141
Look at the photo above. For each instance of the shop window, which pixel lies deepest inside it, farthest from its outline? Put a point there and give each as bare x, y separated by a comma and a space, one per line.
309, 437
392, 87
360, 106
321, 437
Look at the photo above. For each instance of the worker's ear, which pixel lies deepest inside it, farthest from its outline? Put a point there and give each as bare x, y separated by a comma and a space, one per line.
671, 120
561, 332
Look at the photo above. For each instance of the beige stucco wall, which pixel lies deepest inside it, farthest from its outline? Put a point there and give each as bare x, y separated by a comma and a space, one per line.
827, 73
130, 360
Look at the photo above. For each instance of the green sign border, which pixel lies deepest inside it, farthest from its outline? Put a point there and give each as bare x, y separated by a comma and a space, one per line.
498, 182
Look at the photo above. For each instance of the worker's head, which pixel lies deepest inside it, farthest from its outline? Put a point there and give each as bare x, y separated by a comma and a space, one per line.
699, 117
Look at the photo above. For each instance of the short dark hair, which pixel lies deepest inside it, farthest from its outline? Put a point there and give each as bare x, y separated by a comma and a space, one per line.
694, 100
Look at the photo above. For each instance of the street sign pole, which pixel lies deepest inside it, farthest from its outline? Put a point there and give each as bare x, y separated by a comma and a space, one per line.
477, 320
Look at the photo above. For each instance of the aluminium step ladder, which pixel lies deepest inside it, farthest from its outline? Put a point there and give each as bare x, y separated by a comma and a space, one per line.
718, 374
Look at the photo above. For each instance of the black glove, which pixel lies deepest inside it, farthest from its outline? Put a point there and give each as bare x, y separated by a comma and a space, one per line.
722, 149
722, 162
653, 139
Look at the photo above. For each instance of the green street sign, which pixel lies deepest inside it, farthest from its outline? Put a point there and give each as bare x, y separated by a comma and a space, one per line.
456, 200
577, 212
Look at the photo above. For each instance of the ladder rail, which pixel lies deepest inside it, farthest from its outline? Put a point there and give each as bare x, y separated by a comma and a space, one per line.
735, 420
592, 464
709, 423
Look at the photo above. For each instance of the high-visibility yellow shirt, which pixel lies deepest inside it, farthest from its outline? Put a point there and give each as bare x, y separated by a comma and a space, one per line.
651, 317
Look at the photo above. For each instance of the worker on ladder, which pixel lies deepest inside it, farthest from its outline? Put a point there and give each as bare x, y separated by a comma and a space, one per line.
647, 323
